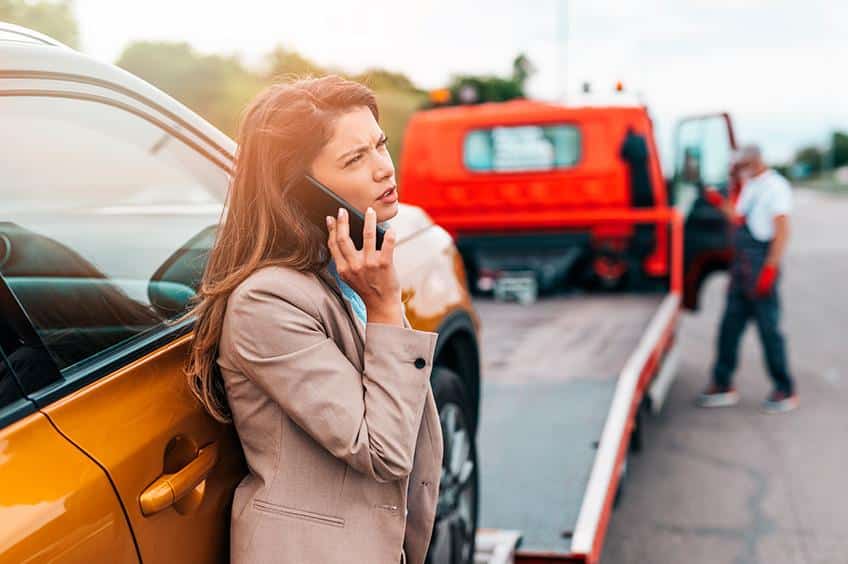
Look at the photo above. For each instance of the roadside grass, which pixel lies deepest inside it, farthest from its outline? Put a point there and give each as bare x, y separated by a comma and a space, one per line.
829, 186
834, 182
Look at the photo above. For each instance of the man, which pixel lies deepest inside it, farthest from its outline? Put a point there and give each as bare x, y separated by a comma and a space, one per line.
760, 223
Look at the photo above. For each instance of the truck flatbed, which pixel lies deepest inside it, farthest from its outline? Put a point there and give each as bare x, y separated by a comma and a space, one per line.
560, 380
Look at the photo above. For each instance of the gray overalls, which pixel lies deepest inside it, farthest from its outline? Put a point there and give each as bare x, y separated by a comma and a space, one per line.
749, 257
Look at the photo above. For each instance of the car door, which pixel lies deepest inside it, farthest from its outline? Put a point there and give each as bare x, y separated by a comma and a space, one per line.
109, 210
56, 504
703, 147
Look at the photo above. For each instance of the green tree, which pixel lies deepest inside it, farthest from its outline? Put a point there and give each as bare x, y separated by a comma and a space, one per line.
489, 88
522, 69
282, 61
810, 158
840, 149
54, 18
381, 79
215, 86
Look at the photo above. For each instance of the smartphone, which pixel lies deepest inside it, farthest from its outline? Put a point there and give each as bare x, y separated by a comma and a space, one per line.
319, 201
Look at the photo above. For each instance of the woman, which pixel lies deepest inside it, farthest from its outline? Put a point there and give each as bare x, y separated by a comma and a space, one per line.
301, 340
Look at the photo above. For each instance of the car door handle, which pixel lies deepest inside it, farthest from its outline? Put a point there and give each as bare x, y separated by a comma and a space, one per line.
170, 488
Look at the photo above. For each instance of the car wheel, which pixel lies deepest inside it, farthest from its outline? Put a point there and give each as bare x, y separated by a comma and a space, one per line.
454, 531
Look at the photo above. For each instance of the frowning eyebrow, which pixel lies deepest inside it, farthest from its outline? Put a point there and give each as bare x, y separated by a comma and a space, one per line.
353, 151
358, 149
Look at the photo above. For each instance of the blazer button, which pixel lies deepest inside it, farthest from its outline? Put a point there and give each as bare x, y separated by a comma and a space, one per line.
420, 363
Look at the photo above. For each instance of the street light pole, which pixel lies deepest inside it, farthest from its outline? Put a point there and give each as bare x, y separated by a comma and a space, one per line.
562, 49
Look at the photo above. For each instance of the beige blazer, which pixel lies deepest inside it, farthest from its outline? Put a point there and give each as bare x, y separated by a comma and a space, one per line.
338, 424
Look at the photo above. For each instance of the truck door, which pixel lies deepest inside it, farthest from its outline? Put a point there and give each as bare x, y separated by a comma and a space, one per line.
703, 146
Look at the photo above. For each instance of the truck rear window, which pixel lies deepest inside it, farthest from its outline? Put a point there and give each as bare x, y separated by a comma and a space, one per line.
521, 148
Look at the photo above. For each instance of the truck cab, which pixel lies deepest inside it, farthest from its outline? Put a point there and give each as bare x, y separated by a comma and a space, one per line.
511, 180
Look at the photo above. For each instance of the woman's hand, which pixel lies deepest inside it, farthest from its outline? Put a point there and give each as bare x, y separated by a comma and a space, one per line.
371, 273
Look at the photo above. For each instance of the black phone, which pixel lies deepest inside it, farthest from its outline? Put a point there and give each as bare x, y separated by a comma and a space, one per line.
319, 201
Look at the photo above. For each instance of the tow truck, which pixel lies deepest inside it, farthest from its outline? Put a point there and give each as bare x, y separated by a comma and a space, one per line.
570, 204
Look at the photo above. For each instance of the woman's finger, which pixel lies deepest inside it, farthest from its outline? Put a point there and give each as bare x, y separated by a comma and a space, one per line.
339, 259
387, 251
369, 237
343, 241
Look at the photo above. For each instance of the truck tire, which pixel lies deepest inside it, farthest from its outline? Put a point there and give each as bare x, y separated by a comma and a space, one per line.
453, 540
637, 435
622, 479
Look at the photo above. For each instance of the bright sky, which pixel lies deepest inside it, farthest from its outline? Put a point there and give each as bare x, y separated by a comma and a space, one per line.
776, 65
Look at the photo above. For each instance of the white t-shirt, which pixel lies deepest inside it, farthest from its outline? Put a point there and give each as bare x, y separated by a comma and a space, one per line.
764, 197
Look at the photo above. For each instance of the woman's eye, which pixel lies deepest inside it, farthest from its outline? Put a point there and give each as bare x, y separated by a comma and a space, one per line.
353, 160
383, 142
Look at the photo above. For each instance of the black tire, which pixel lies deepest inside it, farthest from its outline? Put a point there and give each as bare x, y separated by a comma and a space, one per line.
622, 480
454, 531
471, 272
637, 438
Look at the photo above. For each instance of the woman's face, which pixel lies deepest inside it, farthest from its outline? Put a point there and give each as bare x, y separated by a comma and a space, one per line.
356, 165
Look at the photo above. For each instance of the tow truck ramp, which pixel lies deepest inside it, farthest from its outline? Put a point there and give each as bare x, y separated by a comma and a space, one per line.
552, 450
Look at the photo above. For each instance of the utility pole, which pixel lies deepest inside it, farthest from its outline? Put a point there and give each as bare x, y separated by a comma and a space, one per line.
562, 49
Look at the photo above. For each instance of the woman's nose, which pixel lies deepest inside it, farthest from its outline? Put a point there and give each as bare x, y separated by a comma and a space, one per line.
384, 167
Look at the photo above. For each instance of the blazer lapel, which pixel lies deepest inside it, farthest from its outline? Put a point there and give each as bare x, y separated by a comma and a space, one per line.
334, 286
360, 327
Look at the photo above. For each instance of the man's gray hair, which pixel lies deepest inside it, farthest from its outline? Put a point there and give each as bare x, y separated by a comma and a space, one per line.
748, 153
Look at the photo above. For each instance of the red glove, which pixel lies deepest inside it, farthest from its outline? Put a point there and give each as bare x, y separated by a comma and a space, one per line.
766, 281
713, 197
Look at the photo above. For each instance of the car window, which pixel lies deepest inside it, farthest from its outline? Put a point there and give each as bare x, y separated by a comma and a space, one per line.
521, 148
105, 223
10, 391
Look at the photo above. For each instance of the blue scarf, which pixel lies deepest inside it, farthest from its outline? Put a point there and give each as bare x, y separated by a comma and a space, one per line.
350, 294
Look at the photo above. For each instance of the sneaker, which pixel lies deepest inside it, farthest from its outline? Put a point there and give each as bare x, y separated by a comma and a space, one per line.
716, 396
780, 402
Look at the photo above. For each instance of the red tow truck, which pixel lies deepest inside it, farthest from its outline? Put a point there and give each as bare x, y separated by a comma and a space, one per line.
569, 201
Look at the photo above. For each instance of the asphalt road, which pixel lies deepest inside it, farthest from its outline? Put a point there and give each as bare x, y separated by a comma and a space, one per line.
712, 486
735, 485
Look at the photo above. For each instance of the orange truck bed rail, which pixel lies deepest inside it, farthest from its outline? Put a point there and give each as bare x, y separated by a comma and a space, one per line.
639, 371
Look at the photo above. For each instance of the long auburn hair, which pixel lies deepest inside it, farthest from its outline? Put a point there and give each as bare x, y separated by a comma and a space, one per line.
280, 133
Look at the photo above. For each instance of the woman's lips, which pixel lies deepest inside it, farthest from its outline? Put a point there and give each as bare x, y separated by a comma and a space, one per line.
389, 196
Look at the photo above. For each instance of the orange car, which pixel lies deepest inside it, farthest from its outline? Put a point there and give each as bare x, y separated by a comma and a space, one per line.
111, 193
